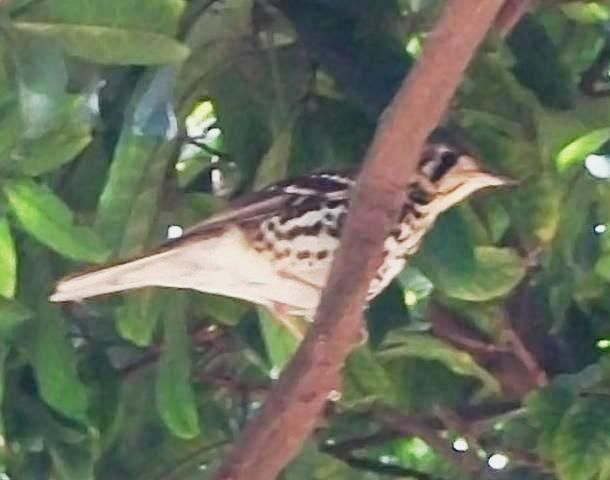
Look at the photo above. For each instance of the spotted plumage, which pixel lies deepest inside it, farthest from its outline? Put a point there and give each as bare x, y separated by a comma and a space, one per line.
275, 247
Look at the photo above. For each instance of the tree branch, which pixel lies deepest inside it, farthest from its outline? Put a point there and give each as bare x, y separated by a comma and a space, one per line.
468, 420
409, 425
287, 418
379, 468
510, 14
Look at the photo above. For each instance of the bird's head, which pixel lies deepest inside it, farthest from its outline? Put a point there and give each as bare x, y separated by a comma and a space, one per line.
452, 175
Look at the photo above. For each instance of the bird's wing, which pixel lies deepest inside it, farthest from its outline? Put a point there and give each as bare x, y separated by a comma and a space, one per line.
274, 199
212, 256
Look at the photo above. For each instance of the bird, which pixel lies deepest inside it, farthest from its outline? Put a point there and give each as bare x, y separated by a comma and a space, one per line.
274, 247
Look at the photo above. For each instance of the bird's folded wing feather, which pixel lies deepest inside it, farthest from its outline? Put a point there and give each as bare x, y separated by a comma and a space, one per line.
202, 249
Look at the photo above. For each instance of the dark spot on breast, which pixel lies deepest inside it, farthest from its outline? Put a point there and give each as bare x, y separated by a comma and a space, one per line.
270, 226
292, 233
322, 254
334, 203
308, 230
409, 209
419, 197
416, 213
333, 232
303, 254
315, 229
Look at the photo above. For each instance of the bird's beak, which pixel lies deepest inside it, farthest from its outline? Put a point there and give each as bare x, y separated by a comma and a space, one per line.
503, 181
494, 179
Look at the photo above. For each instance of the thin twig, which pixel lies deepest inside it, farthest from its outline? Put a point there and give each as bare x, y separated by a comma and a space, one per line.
447, 326
392, 419
200, 336
289, 415
379, 468
359, 443
512, 338
207, 148
190, 461
232, 383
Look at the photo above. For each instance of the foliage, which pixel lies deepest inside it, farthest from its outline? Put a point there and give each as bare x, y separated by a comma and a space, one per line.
121, 118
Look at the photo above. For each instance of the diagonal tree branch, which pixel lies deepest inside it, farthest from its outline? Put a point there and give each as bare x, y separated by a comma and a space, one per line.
290, 413
510, 14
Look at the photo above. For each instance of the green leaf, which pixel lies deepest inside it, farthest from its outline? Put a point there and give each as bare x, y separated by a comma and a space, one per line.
546, 408
492, 88
407, 344
576, 151
366, 380
62, 131
42, 80
54, 364
461, 272
11, 130
583, 441
498, 220
72, 462
541, 69
175, 397
280, 343
225, 310
139, 315
12, 314
109, 45
535, 208
44, 216
438, 258
4, 351
332, 135
497, 271
8, 260
113, 31
127, 206
587, 12
160, 16
573, 223
237, 105
602, 267
274, 164
50, 151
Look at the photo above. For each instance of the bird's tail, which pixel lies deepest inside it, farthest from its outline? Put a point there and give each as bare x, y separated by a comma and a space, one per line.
136, 273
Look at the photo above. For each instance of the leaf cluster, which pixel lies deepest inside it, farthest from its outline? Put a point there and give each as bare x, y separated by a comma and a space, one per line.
120, 119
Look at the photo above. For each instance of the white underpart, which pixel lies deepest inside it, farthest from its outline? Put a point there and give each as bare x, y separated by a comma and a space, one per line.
224, 265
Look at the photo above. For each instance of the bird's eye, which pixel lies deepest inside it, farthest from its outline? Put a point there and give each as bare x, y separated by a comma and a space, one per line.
446, 160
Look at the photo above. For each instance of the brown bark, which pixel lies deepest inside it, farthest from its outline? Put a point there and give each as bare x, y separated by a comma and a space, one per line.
510, 14
290, 413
